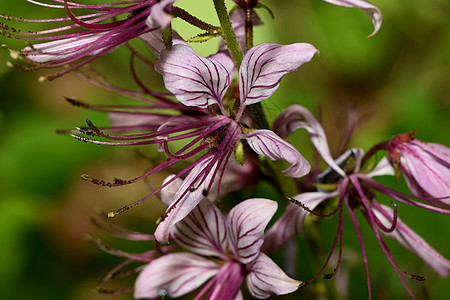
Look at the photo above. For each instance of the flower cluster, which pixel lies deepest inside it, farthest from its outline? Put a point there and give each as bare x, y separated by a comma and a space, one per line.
216, 139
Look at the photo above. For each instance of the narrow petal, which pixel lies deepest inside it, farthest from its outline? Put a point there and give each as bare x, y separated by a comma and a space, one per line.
413, 242
292, 220
427, 171
154, 40
264, 65
266, 278
194, 80
371, 10
267, 143
203, 231
382, 168
64, 48
175, 273
297, 116
184, 202
247, 222
168, 193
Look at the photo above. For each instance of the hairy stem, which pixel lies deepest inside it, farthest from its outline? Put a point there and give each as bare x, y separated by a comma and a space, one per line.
184, 15
228, 33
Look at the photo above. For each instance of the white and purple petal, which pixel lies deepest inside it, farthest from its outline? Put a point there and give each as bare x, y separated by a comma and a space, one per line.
412, 241
426, 170
371, 10
297, 116
266, 278
267, 143
247, 222
264, 65
225, 59
291, 222
194, 80
382, 168
168, 193
203, 231
187, 197
175, 273
154, 40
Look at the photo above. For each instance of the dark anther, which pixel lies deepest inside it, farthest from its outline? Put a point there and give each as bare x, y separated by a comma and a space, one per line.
303, 284
121, 181
76, 103
418, 277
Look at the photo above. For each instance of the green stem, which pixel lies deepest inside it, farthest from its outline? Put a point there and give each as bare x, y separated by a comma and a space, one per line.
184, 15
228, 33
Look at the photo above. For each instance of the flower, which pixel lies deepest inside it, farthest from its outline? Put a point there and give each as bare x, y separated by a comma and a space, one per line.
201, 85
425, 167
371, 10
100, 30
224, 251
355, 189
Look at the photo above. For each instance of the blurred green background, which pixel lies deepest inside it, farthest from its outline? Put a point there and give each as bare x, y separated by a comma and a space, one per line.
397, 81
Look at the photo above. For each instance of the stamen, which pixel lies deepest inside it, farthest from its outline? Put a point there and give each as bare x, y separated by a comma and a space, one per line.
394, 220
298, 203
187, 155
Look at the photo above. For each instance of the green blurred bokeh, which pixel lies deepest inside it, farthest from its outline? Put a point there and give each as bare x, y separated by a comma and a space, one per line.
397, 81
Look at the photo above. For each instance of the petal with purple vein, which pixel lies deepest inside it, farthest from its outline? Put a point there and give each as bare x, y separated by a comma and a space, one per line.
247, 222
267, 143
266, 278
175, 273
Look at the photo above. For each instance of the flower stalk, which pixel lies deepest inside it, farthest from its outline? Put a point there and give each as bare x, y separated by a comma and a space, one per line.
228, 33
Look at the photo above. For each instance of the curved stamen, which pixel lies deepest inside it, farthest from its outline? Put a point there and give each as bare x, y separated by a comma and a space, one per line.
339, 234
402, 197
107, 249
181, 173
187, 155
303, 206
393, 218
370, 217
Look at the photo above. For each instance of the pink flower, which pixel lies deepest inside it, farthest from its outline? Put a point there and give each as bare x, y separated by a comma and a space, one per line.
425, 167
100, 29
205, 118
355, 189
225, 251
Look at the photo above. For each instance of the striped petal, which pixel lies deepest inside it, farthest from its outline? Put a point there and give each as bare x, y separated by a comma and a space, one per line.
184, 202
426, 170
297, 116
203, 231
371, 10
270, 145
194, 80
247, 222
412, 241
176, 274
266, 278
264, 65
